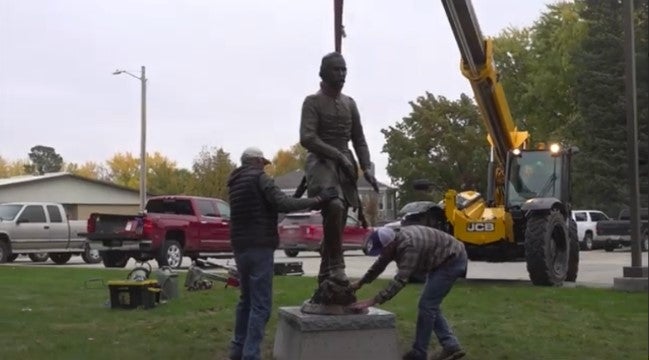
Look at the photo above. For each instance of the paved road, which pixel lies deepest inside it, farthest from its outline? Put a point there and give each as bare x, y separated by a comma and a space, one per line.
596, 268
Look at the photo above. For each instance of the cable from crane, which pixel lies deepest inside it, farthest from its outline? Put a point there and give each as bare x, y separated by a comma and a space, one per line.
339, 29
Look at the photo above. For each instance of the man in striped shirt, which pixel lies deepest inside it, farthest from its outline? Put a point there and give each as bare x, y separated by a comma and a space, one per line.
418, 250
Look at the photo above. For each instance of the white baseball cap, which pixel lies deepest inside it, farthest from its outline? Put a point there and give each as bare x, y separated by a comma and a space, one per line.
253, 153
379, 239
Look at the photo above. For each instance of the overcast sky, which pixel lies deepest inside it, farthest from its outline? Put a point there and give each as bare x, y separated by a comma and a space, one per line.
229, 74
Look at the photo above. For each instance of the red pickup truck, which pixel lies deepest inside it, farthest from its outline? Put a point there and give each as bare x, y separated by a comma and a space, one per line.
303, 231
171, 227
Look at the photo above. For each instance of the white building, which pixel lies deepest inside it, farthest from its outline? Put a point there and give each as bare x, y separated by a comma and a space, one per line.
79, 195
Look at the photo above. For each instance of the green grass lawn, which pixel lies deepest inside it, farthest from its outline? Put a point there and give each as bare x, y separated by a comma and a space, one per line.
48, 313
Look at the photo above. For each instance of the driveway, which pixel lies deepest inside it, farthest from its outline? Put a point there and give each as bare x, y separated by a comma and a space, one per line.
596, 268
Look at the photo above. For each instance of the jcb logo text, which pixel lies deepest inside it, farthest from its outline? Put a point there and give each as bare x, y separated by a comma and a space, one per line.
480, 227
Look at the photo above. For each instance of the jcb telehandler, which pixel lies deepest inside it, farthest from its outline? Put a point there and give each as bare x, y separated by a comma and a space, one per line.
526, 211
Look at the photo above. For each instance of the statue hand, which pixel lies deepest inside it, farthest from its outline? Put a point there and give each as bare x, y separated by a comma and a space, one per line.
347, 166
371, 179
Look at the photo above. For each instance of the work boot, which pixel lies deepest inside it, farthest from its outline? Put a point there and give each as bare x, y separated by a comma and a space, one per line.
413, 355
448, 354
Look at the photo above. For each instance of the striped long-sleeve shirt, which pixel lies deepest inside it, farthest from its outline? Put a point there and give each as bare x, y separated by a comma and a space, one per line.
419, 249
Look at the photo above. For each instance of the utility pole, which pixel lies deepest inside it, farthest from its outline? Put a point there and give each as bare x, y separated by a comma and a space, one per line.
632, 131
635, 276
143, 171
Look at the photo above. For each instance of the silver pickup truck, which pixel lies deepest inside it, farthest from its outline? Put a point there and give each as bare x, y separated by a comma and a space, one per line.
39, 230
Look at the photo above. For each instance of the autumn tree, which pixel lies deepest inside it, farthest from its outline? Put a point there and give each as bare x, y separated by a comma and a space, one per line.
44, 159
124, 170
16, 168
3, 168
163, 176
289, 160
442, 141
89, 169
370, 203
211, 170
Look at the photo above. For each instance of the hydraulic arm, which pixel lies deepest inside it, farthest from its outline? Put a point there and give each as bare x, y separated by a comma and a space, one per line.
478, 67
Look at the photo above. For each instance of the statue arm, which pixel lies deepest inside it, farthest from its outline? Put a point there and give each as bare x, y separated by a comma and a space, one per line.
358, 139
309, 138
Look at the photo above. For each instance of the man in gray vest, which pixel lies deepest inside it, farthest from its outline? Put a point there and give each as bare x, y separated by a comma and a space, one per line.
419, 249
330, 120
255, 201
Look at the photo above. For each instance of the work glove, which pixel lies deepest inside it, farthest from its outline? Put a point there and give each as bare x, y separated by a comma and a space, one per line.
371, 179
327, 194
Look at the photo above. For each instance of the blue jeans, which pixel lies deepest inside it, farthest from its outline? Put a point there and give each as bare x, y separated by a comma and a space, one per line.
255, 267
430, 319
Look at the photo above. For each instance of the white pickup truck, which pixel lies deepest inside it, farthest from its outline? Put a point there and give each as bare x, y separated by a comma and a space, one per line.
40, 230
586, 228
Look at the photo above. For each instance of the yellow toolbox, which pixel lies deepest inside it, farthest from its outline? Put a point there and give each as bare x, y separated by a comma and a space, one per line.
132, 294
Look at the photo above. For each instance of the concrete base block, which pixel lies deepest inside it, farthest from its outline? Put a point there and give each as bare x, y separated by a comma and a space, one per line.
631, 284
302, 336
635, 271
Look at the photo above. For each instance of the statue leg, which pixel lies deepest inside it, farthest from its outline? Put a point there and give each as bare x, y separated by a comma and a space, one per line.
334, 290
332, 263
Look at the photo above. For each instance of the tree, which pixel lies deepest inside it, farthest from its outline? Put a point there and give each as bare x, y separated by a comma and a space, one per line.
289, 160
442, 141
512, 57
600, 170
89, 169
16, 168
538, 74
642, 68
370, 203
3, 168
211, 170
124, 170
44, 159
556, 38
163, 177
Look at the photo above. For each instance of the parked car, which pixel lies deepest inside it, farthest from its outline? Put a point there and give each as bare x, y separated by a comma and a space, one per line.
302, 231
170, 228
424, 213
616, 233
586, 221
41, 230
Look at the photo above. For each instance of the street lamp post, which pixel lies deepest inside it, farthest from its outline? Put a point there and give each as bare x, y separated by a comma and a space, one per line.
142, 79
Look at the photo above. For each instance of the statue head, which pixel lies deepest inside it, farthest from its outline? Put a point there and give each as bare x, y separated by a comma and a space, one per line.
333, 70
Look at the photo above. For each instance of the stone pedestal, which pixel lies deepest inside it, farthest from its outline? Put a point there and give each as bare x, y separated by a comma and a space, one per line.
302, 336
635, 279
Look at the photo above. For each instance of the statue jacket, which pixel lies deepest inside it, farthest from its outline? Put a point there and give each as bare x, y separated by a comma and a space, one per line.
328, 124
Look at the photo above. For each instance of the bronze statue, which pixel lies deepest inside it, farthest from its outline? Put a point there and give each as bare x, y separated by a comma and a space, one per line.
329, 121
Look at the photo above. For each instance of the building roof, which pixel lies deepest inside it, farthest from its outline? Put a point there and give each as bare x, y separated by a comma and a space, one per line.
16, 180
292, 179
